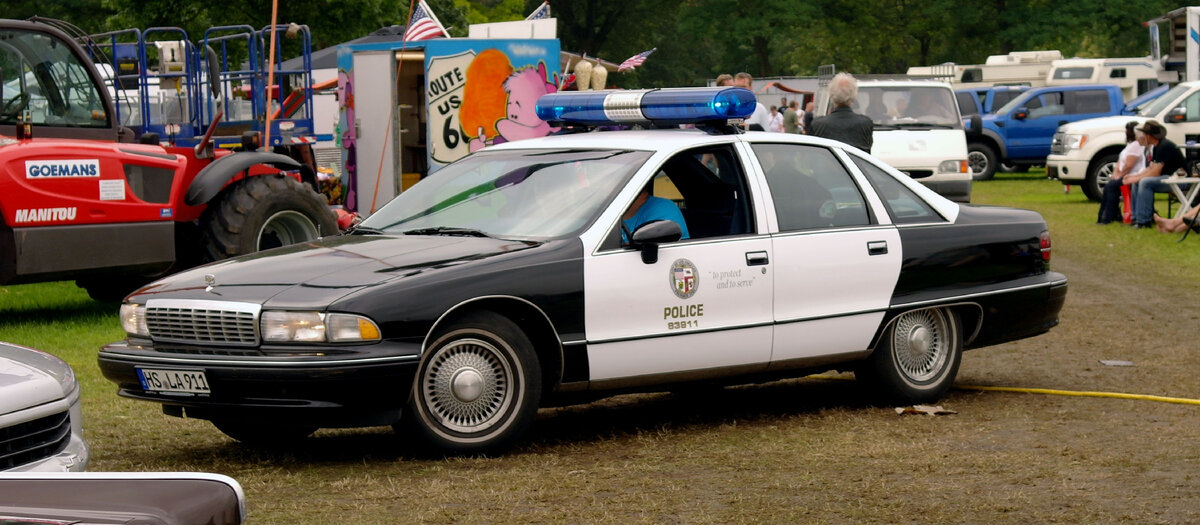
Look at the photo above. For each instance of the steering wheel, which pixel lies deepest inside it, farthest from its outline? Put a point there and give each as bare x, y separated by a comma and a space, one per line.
14, 106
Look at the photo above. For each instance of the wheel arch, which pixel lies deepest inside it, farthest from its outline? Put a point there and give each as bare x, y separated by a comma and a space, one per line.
523, 313
970, 315
1104, 152
990, 139
213, 177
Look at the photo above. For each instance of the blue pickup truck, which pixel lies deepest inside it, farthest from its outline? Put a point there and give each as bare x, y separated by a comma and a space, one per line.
1019, 133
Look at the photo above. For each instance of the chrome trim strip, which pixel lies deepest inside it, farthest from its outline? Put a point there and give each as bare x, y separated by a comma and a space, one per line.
679, 332
255, 363
831, 316
205, 304
979, 294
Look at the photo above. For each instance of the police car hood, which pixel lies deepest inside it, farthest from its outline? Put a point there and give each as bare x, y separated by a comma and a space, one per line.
29, 378
319, 272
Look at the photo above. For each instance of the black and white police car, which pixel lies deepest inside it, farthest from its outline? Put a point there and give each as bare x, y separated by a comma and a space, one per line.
518, 277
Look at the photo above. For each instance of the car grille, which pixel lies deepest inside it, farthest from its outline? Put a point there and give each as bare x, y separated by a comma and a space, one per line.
34, 440
1056, 147
203, 322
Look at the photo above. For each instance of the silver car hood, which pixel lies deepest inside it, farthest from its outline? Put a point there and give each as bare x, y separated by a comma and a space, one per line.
30, 378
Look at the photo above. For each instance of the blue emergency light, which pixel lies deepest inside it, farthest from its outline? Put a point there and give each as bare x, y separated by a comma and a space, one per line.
646, 106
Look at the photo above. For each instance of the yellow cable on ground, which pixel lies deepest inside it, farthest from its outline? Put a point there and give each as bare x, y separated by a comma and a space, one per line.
1053, 392
1117, 395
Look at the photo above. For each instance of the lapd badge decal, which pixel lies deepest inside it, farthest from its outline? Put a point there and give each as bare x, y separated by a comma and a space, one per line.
685, 280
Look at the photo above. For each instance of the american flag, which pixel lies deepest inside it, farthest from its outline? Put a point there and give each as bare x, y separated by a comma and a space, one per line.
543, 11
635, 60
423, 25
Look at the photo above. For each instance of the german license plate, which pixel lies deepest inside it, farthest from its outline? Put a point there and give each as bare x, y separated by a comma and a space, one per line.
179, 381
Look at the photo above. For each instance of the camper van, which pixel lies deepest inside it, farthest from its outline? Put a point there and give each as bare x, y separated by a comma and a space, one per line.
1019, 68
1134, 76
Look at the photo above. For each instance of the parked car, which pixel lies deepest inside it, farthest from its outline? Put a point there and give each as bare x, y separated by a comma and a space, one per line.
40, 415
1020, 132
522, 276
144, 498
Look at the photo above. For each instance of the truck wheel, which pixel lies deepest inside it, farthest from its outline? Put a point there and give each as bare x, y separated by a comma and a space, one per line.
477, 388
917, 358
261, 212
982, 160
1099, 175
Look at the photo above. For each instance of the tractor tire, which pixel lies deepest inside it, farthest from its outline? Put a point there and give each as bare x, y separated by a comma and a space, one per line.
262, 212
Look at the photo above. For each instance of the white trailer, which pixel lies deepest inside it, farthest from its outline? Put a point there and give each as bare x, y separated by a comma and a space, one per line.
1173, 41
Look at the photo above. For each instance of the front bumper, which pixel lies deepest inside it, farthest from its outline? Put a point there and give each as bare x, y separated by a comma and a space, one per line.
328, 391
1067, 170
955, 190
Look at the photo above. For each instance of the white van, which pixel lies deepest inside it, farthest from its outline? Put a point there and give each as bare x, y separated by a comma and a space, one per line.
918, 130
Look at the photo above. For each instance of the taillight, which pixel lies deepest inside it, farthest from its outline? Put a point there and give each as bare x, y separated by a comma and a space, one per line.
1044, 239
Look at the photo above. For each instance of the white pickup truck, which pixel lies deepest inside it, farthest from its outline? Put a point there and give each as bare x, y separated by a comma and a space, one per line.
1085, 152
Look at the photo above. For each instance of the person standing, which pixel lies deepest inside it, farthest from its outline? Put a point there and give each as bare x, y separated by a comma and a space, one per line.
761, 118
791, 119
1163, 158
1132, 159
806, 120
843, 123
776, 125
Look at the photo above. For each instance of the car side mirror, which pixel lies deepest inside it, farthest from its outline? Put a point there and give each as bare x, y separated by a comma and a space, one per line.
1021, 113
974, 125
648, 236
1177, 115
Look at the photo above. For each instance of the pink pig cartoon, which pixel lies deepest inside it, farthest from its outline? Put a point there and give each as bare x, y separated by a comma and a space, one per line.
524, 87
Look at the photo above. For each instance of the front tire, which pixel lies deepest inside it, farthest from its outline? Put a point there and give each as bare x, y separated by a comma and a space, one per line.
917, 359
262, 212
1099, 175
982, 160
477, 388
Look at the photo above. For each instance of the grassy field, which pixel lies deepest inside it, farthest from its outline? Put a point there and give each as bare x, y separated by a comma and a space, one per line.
800, 451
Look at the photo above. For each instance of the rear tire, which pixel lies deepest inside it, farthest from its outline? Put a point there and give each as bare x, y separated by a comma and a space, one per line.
477, 388
917, 359
262, 212
982, 160
1098, 175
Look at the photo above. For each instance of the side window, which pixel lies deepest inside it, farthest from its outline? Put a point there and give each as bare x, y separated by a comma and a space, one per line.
704, 190
1192, 106
1002, 98
903, 206
1051, 104
1117, 72
967, 103
1088, 101
811, 189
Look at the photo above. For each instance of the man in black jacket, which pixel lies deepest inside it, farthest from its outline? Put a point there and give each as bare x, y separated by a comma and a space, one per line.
842, 123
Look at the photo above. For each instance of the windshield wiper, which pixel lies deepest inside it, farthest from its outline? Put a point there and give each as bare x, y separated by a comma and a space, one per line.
359, 229
922, 125
447, 230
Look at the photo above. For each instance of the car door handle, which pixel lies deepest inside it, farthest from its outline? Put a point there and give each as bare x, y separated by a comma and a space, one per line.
876, 247
756, 258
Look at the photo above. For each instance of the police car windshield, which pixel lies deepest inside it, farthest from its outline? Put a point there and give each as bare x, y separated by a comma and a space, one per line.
525, 194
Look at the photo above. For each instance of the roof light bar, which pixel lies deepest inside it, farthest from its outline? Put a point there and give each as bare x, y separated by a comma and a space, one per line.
658, 106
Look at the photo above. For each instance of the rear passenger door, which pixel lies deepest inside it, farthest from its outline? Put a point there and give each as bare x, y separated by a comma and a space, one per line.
836, 264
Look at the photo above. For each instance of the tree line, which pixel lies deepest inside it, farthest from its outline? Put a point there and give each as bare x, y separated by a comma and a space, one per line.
696, 39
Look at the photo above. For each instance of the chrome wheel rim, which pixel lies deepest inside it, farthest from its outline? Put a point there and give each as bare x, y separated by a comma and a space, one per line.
284, 228
1103, 175
467, 386
977, 161
921, 344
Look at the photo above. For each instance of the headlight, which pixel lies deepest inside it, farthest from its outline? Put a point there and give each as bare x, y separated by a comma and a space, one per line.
316, 327
1074, 141
954, 166
133, 319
